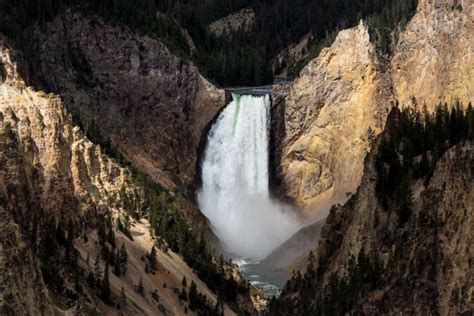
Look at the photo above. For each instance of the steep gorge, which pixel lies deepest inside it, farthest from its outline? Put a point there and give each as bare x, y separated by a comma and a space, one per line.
155, 107
373, 259
152, 105
52, 175
328, 117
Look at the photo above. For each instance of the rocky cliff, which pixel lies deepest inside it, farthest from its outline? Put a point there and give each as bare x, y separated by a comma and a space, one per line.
325, 121
370, 260
330, 115
240, 21
433, 60
152, 105
50, 175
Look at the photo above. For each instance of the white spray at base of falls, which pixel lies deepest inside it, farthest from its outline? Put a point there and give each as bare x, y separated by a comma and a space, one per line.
235, 195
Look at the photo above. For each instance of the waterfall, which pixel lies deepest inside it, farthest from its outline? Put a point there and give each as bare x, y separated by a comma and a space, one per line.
235, 195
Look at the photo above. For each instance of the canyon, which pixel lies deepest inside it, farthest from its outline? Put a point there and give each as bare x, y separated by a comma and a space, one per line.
326, 120
108, 125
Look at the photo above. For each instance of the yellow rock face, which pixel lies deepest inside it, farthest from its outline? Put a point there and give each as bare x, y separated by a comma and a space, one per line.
331, 113
343, 96
434, 59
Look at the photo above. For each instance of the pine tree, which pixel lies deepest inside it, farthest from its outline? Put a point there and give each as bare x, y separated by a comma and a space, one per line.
152, 260
101, 232
184, 282
140, 287
111, 237
91, 280
70, 235
123, 298
193, 296
97, 271
105, 290
117, 268
123, 259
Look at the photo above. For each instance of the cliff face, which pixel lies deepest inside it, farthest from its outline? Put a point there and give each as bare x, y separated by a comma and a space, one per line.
151, 104
426, 262
49, 158
49, 170
330, 114
433, 60
240, 21
326, 119
46, 166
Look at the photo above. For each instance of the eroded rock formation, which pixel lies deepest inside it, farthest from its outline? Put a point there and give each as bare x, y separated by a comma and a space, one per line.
325, 121
434, 58
426, 263
330, 114
240, 21
153, 105
50, 170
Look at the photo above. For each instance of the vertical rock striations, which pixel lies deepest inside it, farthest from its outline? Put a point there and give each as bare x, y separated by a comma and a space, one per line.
50, 175
434, 58
153, 105
423, 266
330, 114
326, 121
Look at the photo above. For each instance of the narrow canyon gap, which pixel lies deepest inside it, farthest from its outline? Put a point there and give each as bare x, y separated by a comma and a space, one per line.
235, 190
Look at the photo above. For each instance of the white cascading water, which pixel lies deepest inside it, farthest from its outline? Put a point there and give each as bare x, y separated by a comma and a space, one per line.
235, 194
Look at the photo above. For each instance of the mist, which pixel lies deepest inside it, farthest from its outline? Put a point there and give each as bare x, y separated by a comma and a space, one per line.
235, 190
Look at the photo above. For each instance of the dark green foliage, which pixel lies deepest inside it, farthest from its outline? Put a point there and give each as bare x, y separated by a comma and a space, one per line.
92, 131
200, 304
412, 144
123, 298
56, 254
409, 149
152, 260
386, 16
121, 261
139, 287
97, 271
341, 295
168, 222
105, 286
240, 59
124, 226
244, 58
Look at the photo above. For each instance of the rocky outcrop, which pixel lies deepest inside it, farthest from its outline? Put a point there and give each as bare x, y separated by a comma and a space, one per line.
49, 169
425, 264
434, 59
50, 157
296, 247
240, 21
292, 55
326, 120
153, 105
330, 115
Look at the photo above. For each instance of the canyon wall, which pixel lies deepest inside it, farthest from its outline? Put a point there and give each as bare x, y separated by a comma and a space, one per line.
424, 264
152, 105
330, 115
240, 21
50, 170
325, 121
434, 58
